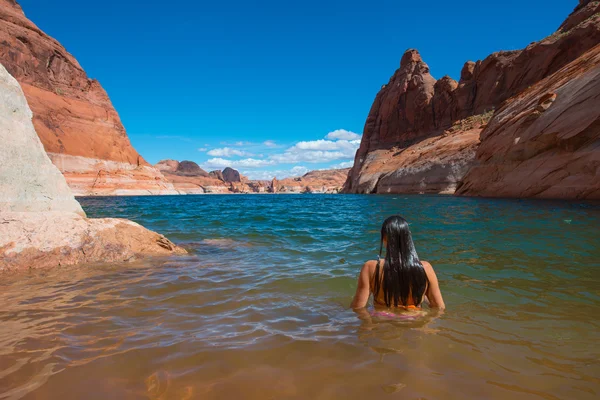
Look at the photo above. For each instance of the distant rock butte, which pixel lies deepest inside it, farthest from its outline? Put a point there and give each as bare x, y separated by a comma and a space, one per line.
217, 174
423, 135
41, 223
231, 175
326, 181
167, 166
72, 114
190, 168
188, 178
323, 181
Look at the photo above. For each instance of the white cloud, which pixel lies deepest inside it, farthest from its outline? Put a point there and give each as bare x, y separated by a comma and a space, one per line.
220, 163
260, 175
227, 152
203, 149
342, 134
342, 165
270, 143
326, 145
316, 145
339, 145
318, 151
240, 144
308, 156
299, 170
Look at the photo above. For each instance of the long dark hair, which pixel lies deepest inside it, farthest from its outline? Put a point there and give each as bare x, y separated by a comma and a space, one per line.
403, 273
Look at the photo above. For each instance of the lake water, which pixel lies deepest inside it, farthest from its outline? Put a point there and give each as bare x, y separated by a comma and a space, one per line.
259, 309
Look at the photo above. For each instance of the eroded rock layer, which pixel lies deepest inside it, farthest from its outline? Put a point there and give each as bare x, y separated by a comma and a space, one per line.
414, 112
72, 114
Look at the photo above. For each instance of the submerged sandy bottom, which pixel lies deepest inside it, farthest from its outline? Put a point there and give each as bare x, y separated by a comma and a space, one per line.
260, 310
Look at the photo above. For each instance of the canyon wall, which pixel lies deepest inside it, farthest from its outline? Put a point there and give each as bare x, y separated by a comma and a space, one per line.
72, 114
41, 223
545, 142
423, 135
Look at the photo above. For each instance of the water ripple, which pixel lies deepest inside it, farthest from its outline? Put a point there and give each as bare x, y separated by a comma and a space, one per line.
260, 307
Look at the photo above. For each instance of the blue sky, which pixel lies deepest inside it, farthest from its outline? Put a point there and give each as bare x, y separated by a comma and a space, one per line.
271, 87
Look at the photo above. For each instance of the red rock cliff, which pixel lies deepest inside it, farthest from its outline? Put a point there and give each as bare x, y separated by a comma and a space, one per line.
545, 142
422, 135
73, 116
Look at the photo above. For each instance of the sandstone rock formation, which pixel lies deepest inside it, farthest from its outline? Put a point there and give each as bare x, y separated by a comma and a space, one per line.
188, 178
167, 166
41, 223
217, 174
231, 181
49, 239
28, 181
409, 144
251, 186
190, 168
274, 185
432, 165
421, 135
231, 175
323, 181
72, 114
545, 142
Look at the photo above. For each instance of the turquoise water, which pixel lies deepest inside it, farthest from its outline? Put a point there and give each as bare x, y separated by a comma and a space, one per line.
259, 309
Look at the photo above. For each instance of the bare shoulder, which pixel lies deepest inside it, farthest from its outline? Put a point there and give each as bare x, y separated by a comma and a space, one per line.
427, 266
370, 266
431, 275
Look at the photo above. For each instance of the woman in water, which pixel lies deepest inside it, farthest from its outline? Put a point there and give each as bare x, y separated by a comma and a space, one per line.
401, 280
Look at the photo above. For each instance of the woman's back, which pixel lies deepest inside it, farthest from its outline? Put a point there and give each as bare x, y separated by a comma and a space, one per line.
379, 297
400, 279
366, 284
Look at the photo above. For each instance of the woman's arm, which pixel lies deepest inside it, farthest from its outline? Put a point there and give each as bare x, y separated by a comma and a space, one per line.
433, 289
362, 289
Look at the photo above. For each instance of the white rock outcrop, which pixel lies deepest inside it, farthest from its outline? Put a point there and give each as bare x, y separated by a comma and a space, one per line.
28, 179
53, 238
